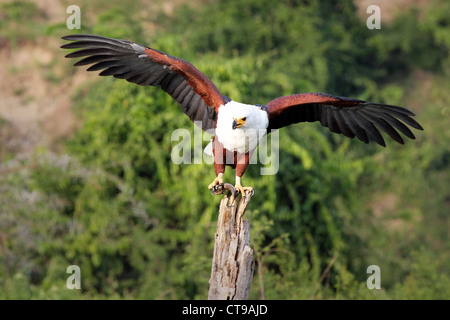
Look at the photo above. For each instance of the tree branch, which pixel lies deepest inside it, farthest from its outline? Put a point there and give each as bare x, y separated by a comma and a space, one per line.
232, 264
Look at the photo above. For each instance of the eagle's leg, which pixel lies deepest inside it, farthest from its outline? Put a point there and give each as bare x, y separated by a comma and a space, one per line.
217, 181
240, 188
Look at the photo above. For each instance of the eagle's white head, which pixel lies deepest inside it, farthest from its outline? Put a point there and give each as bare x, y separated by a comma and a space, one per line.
240, 126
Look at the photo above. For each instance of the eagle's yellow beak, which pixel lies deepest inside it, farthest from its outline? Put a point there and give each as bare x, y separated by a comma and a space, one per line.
237, 123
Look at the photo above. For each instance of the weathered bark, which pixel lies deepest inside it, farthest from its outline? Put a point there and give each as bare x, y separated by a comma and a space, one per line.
232, 264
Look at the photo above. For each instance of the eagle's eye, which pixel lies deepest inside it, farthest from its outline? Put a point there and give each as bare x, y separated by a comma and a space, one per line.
244, 118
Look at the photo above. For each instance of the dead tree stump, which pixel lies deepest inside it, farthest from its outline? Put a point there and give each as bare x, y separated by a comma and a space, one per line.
232, 264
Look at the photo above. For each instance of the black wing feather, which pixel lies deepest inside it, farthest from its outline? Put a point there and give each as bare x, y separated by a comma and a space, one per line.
127, 60
351, 117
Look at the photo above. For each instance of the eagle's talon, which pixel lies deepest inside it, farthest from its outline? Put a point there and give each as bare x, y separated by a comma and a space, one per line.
242, 190
214, 188
218, 181
218, 187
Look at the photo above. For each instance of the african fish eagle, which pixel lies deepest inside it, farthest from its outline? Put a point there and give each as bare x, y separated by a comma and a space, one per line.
236, 125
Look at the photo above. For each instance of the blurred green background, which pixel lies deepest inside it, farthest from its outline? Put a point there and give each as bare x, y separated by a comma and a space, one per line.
86, 176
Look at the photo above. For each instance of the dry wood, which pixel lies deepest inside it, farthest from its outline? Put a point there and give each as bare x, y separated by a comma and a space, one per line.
233, 264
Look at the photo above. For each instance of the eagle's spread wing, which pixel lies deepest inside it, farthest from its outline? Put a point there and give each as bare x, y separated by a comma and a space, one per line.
196, 94
351, 117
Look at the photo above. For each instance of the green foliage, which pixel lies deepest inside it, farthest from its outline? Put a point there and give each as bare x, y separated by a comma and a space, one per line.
429, 278
141, 227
